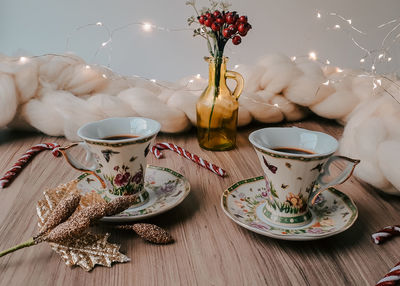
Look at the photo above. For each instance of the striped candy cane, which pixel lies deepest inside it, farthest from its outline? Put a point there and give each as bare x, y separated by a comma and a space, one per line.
11, 174
385, 233
163, 146
391, 278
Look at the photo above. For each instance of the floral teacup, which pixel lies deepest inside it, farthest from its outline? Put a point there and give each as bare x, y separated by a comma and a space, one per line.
116, 152
296, 164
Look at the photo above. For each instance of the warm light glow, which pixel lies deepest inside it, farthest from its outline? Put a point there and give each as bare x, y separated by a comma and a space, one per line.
276, 104
192, 80
326, 83
23, 59
104, 44
379, 81
236, 66
380, 56
312, 56
389, 59
328, 62
318, 15
103, 75
362, 60
293, 58
147, 27
339, 70
153, 80
198, 76
99, 24
87, 67
373, 67
337, 26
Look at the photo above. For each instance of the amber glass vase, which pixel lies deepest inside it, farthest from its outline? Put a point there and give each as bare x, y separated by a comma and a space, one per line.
217, 108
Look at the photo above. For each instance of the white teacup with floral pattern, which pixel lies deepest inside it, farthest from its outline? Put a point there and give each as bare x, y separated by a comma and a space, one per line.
293, 181
120, 165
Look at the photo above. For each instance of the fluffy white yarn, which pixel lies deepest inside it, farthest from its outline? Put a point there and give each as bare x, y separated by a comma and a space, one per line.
57, 94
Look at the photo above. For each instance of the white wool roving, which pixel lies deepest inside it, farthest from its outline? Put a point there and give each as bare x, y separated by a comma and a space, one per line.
56, 94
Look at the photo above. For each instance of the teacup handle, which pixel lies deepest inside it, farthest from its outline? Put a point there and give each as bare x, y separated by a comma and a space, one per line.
93, 165
321, 186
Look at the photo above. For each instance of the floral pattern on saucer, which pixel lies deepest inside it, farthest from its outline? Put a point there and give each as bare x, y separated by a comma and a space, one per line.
166, 189
243, 202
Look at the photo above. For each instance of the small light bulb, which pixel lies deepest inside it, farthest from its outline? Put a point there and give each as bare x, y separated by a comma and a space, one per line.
318, 15
198, 76
236, 66
99, 24
326, 83
192, 80
362, 60
339, 70
349, 21
104, 44
87, 67
276, 104
379, 81
293, 58
103, 75
380, 56
337, 26
328, 62
389, 59
373, 67
153, 80
147, 27
312, 56
23, 59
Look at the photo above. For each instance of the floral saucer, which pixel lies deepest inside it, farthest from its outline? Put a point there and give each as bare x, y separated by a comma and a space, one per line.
165, 188
333, 212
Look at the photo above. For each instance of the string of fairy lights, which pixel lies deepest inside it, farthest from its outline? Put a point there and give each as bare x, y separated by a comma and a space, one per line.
371, 56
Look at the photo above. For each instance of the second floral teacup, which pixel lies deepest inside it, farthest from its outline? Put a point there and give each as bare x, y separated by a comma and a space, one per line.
296, 165
116, 152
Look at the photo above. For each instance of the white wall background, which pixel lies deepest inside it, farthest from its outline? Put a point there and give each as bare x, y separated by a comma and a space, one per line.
41, 26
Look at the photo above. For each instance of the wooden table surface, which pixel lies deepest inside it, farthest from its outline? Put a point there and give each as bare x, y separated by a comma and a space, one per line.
210, 249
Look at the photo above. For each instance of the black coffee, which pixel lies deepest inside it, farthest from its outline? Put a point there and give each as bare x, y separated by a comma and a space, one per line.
293, 150
120, 137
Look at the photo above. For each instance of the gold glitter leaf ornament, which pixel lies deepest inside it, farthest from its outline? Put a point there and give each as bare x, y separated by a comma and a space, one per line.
90, 250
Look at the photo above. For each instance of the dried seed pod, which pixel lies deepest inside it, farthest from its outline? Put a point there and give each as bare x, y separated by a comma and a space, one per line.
76, 225
120, 204
149, 232
61, 212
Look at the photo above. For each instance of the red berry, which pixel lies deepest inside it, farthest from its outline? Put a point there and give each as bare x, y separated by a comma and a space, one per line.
243, 19
217, 13
208, 22
232, 28
208, 15
202, 19
220, 20
215, 26
243, 33
236, 40
226, 33
230, 19
242, 28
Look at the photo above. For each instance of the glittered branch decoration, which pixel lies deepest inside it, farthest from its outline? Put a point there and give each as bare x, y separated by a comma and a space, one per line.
64, 222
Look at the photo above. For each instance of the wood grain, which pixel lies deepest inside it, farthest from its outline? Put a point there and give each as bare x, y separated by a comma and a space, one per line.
210, 249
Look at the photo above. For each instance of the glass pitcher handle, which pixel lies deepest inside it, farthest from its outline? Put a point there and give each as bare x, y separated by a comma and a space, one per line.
239, 82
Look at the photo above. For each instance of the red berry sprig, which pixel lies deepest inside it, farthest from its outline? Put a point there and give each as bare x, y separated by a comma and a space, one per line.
226, 26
